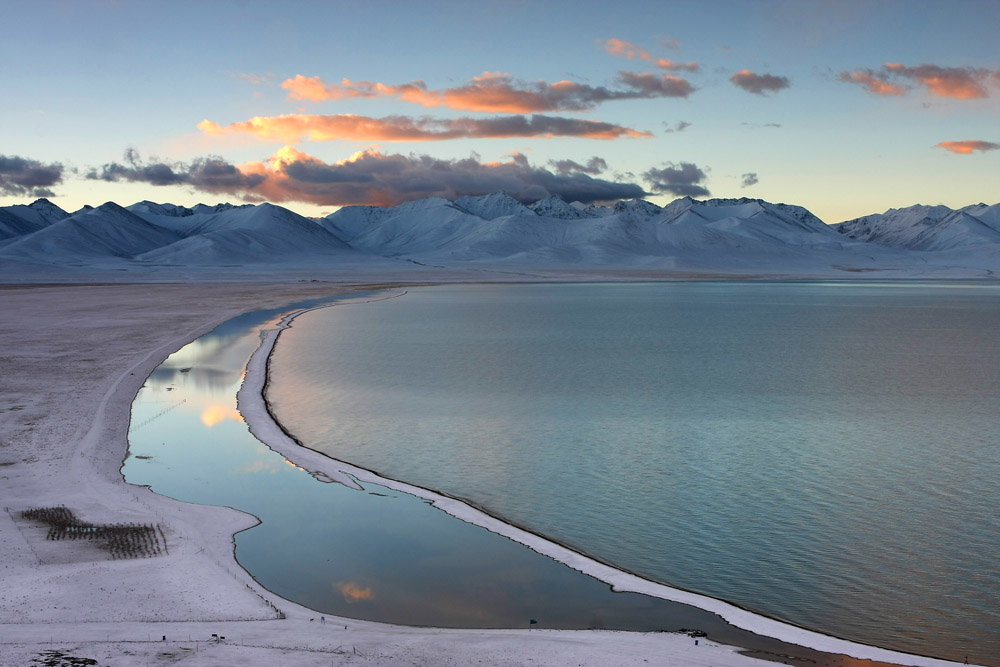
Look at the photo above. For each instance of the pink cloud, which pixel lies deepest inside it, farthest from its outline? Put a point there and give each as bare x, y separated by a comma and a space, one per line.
872, 83
619, 47
967, 147
490, 92
628, 50
958, 83
293, 128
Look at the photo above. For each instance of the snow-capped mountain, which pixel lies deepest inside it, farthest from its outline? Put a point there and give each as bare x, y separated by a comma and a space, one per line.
989, 215
555, 207
256, 234
492, 206
23, 219
715, 236
927, 227
636, 209
414, 227
106, 233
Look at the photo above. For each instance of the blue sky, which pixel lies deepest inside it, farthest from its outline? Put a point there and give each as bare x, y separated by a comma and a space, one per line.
85, 82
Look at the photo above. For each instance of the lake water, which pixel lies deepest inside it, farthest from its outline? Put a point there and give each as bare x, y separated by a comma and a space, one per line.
374, 554
825, 453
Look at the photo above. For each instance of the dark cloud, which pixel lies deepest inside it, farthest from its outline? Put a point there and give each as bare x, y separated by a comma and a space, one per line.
373, 178
651, 85
202, 173
759, 84
683, 180
24, 177
594, 166
679, 126
749, 179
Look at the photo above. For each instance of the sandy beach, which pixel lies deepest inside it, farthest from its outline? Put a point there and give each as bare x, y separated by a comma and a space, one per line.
73, 358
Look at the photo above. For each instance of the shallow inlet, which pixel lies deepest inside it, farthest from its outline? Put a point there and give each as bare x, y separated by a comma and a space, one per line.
378, 555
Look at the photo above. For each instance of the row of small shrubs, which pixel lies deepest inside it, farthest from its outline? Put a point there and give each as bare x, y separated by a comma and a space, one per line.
123, 540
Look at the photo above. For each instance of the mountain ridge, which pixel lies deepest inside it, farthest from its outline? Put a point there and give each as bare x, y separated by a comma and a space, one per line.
724, 235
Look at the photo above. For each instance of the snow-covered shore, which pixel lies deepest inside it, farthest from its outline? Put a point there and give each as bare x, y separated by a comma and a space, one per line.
73, 358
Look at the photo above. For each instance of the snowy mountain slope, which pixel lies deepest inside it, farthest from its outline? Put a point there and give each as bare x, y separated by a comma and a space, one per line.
236, 235
106, 233
349, 221
636, 209
927, 227
747, 235
555, 207
146, 207
988, 215
753, 219
492, 206
21, 219
750, 234
12, 226
414, 227
179, 218
718, 236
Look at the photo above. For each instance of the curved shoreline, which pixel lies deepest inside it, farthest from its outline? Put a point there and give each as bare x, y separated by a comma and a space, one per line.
263, 424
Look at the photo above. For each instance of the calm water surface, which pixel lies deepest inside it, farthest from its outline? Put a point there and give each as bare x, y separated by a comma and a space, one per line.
826, 453
375, 554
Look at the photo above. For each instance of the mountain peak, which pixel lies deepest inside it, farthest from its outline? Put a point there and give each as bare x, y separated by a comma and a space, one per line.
555, 206
639, 209
494, 205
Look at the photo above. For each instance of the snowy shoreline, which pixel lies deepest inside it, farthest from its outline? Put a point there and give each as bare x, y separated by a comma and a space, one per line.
264, 424
75, 357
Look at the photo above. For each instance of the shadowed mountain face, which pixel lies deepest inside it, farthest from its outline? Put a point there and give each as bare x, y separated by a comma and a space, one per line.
729, 236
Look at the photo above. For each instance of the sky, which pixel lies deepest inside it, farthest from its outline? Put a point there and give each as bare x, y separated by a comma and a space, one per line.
846, 108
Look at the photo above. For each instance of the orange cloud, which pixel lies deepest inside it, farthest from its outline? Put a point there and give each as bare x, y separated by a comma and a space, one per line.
306, 88
871, 83
618, 47
353, 592
967, 147
959, 83
664, 63
489, 92
293, 128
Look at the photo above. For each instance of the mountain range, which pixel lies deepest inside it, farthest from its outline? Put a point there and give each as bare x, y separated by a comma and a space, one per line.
716, 236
